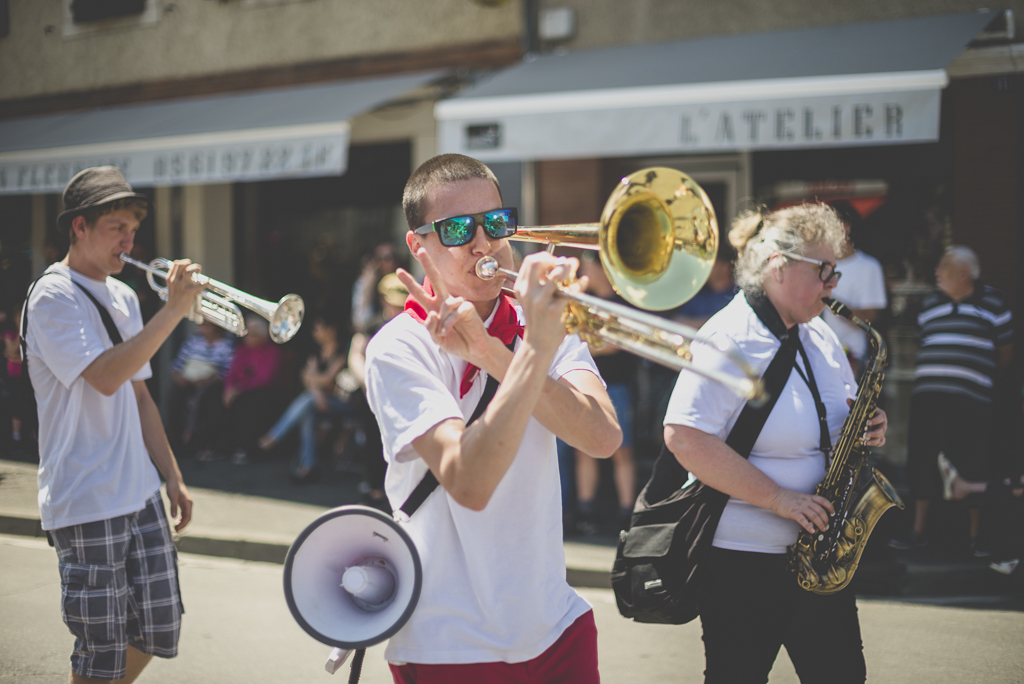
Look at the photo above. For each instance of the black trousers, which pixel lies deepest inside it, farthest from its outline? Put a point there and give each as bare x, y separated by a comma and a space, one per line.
751, 606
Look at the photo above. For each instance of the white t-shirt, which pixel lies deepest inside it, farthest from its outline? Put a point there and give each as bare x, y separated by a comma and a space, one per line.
93, 464
861, 287
494, 586
787, 450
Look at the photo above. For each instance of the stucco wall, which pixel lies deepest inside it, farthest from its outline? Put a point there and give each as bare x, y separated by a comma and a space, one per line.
202, 37
194, 38
602, 23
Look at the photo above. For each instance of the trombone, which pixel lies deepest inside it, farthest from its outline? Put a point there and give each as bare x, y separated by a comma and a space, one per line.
218, 303
657, 241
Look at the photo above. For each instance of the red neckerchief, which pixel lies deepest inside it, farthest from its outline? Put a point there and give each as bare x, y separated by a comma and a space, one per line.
505, 326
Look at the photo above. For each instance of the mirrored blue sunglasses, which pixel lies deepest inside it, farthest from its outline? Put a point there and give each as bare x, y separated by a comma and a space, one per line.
460, 230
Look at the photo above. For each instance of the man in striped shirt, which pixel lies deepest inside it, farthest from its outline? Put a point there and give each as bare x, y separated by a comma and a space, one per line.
965, 333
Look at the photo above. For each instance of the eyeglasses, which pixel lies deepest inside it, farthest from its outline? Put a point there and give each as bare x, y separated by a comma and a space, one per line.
460, 230
826, 271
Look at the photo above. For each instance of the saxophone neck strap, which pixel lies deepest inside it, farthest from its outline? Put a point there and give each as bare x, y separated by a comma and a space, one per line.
769, 316
824, 440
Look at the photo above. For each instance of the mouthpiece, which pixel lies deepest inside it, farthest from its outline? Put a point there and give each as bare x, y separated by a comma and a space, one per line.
487, 268
838, 308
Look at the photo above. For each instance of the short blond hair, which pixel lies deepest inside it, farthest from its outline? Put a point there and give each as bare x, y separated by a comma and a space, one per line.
757, 236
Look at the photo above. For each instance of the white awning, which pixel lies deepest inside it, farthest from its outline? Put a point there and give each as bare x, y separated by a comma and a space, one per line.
835, 86
284, 133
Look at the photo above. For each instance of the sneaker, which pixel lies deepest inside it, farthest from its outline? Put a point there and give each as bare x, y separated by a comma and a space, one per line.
949, 475
911, 540
977, 550
1005, 567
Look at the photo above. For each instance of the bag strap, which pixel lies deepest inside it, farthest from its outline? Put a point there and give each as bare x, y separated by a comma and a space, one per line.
751, 421
429, 482
669, 475
108, 322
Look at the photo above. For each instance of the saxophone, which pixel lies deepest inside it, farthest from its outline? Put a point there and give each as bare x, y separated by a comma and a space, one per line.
824, 562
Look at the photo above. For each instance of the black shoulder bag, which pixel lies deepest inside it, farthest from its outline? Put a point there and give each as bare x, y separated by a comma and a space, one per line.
659, 559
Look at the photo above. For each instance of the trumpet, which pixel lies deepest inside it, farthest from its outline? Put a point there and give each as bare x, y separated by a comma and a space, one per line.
218, 303
657, 242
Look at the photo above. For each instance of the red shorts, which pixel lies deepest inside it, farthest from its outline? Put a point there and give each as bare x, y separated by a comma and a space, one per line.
571, 659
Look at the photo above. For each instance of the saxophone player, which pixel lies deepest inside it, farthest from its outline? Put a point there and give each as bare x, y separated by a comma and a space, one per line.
751, 604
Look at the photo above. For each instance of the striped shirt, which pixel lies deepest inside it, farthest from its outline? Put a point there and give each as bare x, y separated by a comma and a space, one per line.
960, 341
219, 353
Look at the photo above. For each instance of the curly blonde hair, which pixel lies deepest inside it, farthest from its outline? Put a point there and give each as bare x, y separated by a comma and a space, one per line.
757, 236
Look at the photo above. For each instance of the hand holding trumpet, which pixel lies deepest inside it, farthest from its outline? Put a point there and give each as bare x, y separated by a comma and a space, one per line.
182, 286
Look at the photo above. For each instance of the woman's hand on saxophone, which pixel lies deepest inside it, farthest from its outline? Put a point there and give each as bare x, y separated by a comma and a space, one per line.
878, 423
810, 511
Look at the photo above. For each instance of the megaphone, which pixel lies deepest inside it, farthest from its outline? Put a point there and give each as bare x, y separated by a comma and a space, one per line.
352, 580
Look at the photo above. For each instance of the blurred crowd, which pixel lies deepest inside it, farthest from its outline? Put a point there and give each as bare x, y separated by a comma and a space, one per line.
234, 400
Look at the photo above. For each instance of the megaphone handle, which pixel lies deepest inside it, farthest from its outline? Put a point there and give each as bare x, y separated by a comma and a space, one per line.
339, 656
357, 666
336, 659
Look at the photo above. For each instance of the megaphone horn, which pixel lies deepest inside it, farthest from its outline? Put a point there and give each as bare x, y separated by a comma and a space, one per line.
352, 579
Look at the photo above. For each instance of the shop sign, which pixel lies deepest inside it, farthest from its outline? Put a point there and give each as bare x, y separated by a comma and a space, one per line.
829, 121
44, 171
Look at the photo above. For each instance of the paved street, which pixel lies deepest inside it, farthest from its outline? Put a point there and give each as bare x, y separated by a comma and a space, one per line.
238, 629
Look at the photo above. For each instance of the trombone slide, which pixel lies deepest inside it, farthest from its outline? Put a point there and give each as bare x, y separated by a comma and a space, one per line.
638, 332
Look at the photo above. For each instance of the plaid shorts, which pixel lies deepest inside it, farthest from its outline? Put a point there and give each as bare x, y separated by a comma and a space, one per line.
119, 587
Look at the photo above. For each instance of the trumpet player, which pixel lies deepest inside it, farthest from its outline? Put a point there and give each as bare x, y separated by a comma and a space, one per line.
495, 605
101, 440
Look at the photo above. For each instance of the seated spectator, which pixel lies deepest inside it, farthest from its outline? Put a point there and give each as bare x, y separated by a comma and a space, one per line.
198, 372
317, 400
251, 392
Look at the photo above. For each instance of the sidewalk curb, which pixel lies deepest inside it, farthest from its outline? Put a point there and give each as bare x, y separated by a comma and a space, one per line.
265, 552
21, 526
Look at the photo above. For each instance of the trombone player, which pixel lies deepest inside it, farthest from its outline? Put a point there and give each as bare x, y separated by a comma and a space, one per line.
494, 605
101, 441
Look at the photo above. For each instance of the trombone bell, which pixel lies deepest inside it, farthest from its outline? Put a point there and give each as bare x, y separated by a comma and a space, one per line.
657, 238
